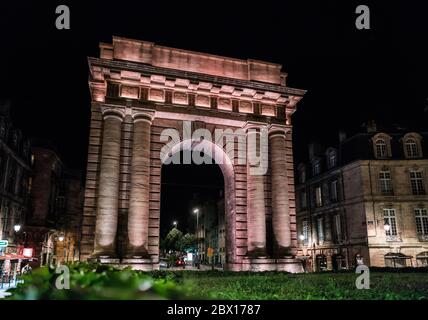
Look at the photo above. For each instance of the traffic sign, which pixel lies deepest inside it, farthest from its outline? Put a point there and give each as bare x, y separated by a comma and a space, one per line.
210, 252
4, 243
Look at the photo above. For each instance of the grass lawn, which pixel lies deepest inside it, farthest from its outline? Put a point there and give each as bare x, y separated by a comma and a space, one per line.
103, 282
383, 285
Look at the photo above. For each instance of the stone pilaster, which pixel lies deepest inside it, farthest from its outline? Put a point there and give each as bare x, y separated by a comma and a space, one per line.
108, 194
256, 211
138, 215
280, 201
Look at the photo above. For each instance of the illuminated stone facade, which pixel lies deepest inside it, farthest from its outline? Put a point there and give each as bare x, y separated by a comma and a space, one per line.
365, 202
138, 89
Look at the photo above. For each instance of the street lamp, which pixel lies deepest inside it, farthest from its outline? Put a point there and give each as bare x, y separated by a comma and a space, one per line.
386, 226
302, 237
196, 211
17, 227
175, 223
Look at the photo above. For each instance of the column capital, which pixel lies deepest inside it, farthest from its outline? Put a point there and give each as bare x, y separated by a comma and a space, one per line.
113, 112
254, 125
142, 115
278, 130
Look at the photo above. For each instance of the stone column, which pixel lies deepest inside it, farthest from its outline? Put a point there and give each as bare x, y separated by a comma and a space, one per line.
256, 212
108, 187
138, 214
280, 202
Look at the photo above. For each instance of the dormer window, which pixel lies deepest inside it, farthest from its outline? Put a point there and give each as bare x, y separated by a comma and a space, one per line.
316, 167
302, 176
382, 146
412, 145
331, 158
411, 148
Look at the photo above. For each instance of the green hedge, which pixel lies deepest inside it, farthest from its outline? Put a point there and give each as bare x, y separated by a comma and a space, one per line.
92, 281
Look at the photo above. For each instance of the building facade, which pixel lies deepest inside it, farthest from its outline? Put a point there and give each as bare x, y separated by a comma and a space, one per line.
138, 90
14, 180
364, 202
54, 220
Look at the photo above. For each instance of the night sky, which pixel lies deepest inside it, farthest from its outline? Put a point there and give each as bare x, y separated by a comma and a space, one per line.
351, 75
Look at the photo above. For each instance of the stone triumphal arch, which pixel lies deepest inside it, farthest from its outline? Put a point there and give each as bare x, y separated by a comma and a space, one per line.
139, 92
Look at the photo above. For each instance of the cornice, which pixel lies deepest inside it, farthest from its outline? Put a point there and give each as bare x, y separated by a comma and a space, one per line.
149, 70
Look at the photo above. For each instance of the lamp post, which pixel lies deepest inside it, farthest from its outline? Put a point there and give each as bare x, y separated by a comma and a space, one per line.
175, 224
196, 211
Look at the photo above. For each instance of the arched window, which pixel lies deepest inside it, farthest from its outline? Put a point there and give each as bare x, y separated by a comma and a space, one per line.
316, 167
331, 158
412, 145
411, 148
381, 150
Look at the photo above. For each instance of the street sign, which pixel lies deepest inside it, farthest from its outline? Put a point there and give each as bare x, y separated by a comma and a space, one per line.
4, 243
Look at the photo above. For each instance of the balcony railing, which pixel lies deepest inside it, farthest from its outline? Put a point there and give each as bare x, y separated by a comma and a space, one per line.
393, 238
423, 237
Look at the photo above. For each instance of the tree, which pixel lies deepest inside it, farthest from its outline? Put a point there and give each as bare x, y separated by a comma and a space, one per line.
188, 241
173, 239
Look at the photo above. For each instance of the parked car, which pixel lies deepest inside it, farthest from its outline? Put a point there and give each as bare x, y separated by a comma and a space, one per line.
163, 263
180, 263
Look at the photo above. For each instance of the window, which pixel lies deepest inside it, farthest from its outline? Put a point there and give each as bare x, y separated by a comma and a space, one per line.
381, 151
337, 227
2, 128
421, 216
320, 229
316, 168
332, 159
416, 182
385, 182
5, 221
305, 231
11, 178
389, 219
303, 200
411, 148
302, 176
334, 191
318, 196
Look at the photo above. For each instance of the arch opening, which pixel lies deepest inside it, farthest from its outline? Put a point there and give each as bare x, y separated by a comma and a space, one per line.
198, 206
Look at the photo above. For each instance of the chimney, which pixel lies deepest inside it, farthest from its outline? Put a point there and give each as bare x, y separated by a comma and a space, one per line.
342, 136
371, 126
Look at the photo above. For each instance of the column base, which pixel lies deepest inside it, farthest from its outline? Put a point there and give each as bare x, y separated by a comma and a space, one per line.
143, 264
105, 260
260, 264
